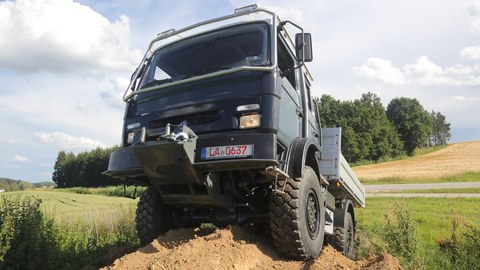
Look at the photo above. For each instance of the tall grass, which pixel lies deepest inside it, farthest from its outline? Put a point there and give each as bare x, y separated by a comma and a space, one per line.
31, 239
418, 231
472, 176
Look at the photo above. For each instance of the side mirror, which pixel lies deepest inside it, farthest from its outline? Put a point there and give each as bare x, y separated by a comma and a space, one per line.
303, 44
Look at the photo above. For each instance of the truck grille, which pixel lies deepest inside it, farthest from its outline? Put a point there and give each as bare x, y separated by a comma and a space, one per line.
192, 119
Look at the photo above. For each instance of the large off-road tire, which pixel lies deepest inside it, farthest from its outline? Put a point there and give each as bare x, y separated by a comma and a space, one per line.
152, 216
297, 217
344, 237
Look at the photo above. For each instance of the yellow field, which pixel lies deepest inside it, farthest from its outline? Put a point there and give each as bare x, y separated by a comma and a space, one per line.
455, 159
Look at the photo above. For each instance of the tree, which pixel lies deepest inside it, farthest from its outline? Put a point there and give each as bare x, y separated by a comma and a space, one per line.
412, 122
386, 141
84, 169
367, 134
58, 175
440, 129
64, 170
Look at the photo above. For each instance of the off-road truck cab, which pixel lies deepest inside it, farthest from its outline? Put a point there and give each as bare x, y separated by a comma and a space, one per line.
221, 126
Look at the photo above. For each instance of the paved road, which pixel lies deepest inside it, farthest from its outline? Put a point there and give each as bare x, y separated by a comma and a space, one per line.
383, 190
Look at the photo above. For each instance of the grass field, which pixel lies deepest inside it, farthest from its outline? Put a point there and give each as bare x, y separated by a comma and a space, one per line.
432, 215
441, 191
472, 176
66, 231
69, 207
444, 165
432, 220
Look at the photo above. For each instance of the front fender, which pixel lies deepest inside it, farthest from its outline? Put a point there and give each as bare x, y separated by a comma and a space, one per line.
302, 151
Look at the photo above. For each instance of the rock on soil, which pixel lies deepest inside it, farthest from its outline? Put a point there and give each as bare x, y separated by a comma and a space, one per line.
233, 248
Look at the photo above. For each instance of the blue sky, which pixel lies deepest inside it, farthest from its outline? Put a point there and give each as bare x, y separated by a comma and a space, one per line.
65, 64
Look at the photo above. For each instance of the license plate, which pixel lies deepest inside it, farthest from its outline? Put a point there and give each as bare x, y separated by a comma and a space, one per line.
228, 151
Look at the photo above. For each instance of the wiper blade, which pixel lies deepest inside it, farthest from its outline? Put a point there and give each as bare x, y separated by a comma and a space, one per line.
157, 82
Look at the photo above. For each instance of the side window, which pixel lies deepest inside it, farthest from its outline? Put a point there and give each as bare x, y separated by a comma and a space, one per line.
286, 63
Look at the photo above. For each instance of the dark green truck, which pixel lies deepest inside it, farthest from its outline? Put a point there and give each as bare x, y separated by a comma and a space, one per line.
221, 126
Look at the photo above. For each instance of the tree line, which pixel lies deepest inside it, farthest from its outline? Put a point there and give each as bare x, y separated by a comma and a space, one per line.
370, 132
8, 184
83, 169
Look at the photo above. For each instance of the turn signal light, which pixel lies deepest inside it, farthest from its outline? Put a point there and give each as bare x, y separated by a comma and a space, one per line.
130, 137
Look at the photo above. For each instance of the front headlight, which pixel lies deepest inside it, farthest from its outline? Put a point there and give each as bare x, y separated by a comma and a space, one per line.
249, 121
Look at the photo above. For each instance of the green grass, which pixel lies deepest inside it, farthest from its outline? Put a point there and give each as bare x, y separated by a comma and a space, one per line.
473, 176
70, 207
74, 229
114, 191
442, 191
433, 219
428, 150
418, 152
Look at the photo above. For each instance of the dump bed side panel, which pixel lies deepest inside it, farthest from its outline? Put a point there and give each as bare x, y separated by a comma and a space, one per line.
335, 168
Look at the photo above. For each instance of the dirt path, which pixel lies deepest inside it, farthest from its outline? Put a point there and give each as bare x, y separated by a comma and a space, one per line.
232, 248
454, 159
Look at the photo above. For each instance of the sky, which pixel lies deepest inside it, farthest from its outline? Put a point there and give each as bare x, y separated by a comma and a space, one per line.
64, 64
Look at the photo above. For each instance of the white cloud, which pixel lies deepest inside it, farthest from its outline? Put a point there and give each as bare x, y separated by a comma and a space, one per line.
60, 36
66, 141
471, 53
382, 70
19, 158
422, 72
113, 96
423, 67
459, 97
475, 12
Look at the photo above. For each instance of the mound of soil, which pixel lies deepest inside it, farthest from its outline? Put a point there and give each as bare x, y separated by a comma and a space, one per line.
232, 248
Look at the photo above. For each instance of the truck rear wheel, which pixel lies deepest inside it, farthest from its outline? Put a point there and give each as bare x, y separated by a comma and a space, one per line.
297, 217
151, 216
344, 237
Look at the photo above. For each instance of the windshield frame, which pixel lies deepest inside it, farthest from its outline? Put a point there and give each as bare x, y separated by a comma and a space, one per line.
171, 36
234, 46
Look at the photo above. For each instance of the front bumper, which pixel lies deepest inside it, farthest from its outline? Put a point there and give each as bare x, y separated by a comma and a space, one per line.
170, 162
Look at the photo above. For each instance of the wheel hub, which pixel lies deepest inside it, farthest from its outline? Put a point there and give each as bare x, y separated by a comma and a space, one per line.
312, 214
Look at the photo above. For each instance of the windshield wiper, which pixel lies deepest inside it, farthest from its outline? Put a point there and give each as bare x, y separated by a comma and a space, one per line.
203, 71
157, 82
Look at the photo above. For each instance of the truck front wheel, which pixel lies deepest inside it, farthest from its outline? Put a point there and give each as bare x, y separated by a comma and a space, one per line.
151, 216
297, 217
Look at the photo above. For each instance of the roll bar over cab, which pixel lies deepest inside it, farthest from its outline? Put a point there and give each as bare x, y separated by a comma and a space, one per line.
221, 126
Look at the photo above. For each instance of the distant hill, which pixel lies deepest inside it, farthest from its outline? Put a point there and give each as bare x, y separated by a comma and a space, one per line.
454, 159
15, 185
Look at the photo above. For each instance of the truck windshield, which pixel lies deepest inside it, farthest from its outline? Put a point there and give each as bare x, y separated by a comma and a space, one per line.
241, 45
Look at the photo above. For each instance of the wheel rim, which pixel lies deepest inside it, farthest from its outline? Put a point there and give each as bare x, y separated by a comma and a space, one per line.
312, 214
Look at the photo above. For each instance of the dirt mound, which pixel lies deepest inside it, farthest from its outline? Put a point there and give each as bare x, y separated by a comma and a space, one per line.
232, 248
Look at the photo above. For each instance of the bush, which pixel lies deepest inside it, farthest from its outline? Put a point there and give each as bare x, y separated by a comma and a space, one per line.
400, 236
462, 248
31, 240
26, 235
